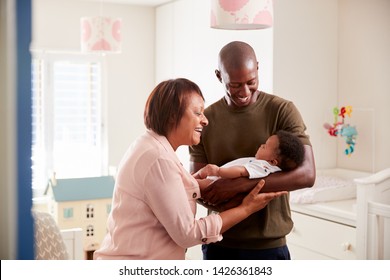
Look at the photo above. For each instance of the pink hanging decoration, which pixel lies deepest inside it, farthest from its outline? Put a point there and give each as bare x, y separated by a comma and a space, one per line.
241, 14
232, 5
100, 34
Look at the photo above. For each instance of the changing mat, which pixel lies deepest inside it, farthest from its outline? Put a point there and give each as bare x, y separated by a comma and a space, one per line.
326, 188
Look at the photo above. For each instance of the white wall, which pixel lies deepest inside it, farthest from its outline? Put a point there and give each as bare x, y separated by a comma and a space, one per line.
364, 78
305, 66
130, 74
336, 53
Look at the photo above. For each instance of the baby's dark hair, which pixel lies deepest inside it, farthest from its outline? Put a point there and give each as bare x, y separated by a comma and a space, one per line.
291, 150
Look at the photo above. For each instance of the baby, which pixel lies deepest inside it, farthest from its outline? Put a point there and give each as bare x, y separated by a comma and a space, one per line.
282, 151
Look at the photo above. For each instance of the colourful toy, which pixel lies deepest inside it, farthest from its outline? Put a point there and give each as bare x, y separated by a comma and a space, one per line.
342, 129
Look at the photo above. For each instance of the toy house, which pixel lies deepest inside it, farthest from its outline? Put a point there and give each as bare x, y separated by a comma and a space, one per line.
83, 203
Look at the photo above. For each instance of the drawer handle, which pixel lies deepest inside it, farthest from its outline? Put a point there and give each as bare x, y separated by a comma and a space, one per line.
346, 246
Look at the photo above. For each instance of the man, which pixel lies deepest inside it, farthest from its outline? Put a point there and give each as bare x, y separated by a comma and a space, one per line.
238, 124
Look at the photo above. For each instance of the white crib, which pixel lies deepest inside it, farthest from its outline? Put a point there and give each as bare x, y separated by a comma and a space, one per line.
352, 225
73, 239
373, 216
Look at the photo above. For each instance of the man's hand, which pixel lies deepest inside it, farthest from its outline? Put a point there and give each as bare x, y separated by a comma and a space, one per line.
256, 201
234, 202
224, 190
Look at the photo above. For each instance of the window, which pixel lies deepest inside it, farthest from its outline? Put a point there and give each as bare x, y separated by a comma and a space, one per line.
68, 121
90, 231
68, 213
108, 209
90, 211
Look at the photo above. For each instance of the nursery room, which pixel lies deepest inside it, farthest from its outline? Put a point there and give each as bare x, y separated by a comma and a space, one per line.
85, 106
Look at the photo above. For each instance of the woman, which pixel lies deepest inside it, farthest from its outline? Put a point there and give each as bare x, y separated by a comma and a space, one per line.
154, 201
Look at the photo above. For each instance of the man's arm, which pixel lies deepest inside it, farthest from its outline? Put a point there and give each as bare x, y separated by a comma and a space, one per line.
224, 190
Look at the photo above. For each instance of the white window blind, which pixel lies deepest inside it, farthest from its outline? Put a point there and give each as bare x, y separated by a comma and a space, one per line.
38, 140
68, 130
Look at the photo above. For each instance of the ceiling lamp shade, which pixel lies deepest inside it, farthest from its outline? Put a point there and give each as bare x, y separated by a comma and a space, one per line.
101, 34
241, 14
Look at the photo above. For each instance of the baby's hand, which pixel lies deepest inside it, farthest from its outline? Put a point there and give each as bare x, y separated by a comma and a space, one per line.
208, 170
